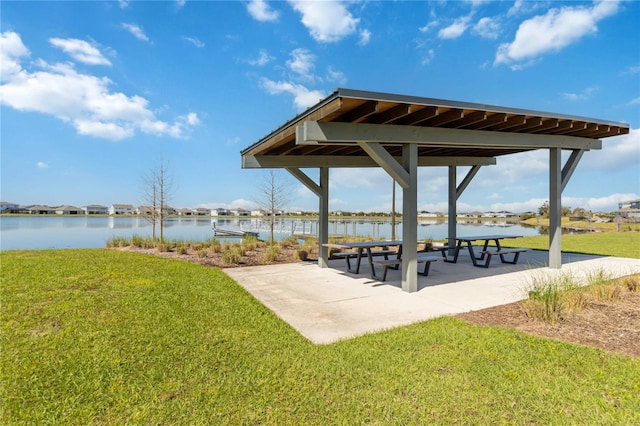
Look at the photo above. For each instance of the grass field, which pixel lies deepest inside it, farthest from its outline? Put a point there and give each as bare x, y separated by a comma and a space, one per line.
108, 337
620, 244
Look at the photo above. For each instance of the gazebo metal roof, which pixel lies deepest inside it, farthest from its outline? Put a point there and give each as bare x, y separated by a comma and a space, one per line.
352, 128
362, 107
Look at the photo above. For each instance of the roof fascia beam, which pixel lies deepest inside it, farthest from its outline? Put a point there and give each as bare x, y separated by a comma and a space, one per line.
305, 180
314, 132
382, 157
308, 161
570, 167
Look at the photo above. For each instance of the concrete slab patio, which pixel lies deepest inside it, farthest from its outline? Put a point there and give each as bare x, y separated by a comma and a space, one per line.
330, 304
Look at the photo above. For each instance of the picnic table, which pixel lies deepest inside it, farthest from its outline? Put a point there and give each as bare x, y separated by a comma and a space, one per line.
365, 247
485, 252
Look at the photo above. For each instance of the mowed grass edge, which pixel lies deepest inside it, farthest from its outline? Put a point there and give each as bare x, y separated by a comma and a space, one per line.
108, 337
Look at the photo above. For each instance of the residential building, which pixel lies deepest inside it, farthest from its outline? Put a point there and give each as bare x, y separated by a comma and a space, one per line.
117, 209
185, 212
240, 212
630, 209
41, 210
68, 210
220, 212
6, 207
95, 209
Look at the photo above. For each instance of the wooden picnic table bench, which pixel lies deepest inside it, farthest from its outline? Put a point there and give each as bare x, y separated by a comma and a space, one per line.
502, 252
422, 257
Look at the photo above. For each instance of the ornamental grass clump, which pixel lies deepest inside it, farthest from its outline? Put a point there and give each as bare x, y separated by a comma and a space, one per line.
271, 254
632, 283
232, 255
546, 301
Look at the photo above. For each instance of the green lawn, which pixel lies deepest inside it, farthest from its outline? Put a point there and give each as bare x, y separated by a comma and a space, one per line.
108, 337
620, 244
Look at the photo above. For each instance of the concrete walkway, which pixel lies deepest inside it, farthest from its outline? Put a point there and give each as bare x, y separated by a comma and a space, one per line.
330, 304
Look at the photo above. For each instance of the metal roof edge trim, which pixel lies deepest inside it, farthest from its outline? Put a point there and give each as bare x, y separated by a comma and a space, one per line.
298, 117
390, 97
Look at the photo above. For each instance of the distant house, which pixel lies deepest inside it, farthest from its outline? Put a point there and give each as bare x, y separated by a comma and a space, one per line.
258, 212
629, 209
117, 209
240, 212
41, 210
144, 210
6, 207
425, 213
95, 209
505, 214
220, 212
201, 211
68, 210
168, 210
185, 212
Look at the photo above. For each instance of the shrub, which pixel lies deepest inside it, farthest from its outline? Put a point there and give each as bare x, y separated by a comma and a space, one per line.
632, 282
202, 253
181, 249
231, 255
162, 247
302, 254
215, 246
271, 254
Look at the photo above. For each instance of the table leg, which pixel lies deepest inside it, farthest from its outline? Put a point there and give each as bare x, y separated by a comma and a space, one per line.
370, 256
455, 254
358, 259
471, 253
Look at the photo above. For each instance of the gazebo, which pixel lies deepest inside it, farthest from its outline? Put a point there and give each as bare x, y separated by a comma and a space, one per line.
352, 128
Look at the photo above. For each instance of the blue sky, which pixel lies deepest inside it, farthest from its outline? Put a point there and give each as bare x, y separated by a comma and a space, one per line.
94, 94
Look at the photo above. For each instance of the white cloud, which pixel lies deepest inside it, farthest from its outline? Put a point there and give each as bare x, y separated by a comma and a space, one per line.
302, 63
124, 4
605, 204
302, 97
456, 29
428, 57
196, 42
80, 50
631, 70
581, 96
617, 153
82, 100
327, 21
261, 11
136, 31
12, 50
263, 59
429, 26
365, 37
554, 31
336, 76
42, 165
487, 28
180, 3
635, 101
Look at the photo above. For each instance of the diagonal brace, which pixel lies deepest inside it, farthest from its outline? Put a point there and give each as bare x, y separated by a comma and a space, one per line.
467, 180
570, 167
305, 180
385, 160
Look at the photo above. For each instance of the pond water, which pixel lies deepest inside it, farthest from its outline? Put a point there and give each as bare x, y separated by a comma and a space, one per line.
41, 232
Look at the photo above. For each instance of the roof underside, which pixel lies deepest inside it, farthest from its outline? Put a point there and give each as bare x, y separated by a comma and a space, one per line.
350, 106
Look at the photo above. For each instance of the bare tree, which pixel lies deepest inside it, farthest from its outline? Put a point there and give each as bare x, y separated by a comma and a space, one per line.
273, 194
158, 189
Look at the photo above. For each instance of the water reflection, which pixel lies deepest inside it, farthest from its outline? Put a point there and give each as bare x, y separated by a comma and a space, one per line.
24, 232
